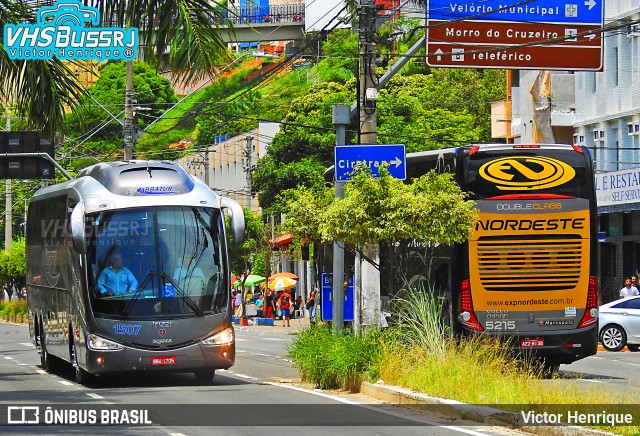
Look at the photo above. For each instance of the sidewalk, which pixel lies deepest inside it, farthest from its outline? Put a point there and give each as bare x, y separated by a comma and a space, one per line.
296, 326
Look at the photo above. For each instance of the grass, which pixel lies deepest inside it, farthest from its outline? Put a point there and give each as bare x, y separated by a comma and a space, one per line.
13, 307
419, 353
330, 360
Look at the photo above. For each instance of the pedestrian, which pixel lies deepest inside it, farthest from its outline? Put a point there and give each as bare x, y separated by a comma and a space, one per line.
270, 305
297, 304
628, 290
285, 307
634, 282
311, 306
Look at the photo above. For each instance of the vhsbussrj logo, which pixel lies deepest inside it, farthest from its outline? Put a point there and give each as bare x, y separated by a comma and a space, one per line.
65, 30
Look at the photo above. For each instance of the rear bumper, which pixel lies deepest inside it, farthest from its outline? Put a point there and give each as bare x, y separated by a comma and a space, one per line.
560, 346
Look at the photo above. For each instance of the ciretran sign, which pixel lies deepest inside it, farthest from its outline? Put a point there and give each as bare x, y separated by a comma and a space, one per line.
349, 157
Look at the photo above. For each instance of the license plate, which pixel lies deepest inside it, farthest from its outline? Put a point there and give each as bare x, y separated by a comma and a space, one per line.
529, 343
163, 360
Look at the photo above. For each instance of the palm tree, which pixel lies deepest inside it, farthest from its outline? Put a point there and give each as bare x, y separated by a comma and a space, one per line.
42, 90
39, 90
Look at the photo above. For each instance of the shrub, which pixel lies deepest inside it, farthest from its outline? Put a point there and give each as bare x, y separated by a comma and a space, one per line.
330, 360
14, 307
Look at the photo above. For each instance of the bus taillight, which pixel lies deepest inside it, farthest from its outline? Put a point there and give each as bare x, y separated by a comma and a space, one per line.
591, 312
578, 148
467, 317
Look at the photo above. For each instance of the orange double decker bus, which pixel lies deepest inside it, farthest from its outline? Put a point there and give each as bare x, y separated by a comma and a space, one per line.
528, 271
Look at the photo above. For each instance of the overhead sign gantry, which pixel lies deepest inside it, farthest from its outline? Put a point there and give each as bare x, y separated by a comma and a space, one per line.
536, 35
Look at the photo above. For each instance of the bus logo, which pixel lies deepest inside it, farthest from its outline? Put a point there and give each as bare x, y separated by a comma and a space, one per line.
521, 173
69, 30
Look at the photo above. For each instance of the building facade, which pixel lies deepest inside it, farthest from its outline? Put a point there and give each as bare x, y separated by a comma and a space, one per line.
226, 166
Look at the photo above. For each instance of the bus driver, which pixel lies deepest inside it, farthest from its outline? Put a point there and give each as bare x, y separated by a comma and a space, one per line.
116, 279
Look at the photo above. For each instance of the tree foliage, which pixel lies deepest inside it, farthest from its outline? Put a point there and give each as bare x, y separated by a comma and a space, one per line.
431, 210
151, 91
13, 263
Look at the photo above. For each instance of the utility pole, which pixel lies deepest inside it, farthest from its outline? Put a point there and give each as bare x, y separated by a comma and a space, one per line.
8, 217
367, 93
341, 118
129, 130
248, 152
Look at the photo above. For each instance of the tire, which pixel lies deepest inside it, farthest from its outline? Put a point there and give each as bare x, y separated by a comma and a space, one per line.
47, 361
82, 376
205, 376
633, 347
613, 338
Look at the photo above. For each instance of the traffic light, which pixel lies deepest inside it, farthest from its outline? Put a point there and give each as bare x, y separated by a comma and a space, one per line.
304, 249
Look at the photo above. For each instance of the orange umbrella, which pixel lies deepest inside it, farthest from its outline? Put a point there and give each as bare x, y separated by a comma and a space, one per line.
285, 275
282, 283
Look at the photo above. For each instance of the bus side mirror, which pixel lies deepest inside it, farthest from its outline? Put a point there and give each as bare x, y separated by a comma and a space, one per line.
78, 234
237, 218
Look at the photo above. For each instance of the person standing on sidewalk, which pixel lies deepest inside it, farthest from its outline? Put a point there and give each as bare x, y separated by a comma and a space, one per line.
311, 306
285, 307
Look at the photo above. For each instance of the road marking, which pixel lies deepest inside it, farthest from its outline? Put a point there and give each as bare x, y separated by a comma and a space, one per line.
274, 339
41, 371
66, 383
245, 376
261, 354
94, 396
23, 364
8, 358
379, 410
26, 344
592, 381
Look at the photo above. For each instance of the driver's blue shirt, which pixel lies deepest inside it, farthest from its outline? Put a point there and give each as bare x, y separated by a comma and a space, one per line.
118, 282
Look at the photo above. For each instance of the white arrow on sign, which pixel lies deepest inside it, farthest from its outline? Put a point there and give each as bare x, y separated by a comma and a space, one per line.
590, 3
590, 36
396, 161
438, 54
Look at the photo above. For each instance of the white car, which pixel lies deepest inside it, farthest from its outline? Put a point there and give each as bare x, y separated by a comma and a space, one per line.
620, 324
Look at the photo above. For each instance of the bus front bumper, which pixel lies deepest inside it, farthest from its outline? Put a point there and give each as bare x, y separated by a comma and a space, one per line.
190, 358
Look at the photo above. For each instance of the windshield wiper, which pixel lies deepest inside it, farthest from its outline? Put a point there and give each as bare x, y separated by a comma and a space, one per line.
127, 308
182, 295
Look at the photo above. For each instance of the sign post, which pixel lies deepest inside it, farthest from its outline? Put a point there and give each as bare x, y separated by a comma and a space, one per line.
541, 35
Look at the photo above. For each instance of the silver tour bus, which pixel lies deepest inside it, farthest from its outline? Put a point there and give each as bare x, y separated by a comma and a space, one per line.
127, 271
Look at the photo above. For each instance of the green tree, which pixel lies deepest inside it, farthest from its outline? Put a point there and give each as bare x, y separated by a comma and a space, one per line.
303, 149
13, 264
430, 210
190, 29
151, 91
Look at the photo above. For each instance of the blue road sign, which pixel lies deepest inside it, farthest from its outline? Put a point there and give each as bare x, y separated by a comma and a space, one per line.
326, 300
348, 157
543, 11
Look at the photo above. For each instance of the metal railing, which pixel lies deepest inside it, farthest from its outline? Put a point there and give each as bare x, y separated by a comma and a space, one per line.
269, 14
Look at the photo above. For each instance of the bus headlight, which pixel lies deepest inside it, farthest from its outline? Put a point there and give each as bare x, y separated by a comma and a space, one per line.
225, 337
96, 343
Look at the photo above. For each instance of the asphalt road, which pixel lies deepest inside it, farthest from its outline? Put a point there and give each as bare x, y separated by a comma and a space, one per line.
257, 395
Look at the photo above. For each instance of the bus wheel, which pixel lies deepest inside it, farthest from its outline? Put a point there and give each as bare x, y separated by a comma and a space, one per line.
82, 376
47, 361
205, 375
613, 338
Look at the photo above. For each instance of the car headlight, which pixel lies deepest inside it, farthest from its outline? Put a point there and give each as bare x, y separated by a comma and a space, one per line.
225, 337
96, 343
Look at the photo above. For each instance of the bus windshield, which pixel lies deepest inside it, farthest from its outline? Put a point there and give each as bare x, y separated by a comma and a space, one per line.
500, 173
157, 262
